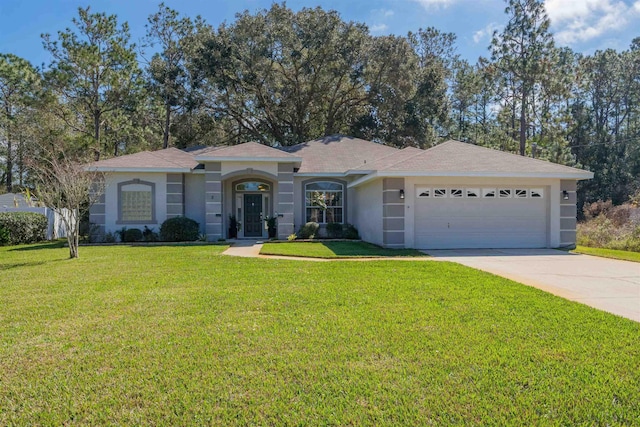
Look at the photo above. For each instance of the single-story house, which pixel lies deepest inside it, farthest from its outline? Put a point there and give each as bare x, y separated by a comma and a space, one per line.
453, 195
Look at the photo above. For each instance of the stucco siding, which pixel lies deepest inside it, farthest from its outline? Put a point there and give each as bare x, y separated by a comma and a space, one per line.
194, 203
111, 200
368, 207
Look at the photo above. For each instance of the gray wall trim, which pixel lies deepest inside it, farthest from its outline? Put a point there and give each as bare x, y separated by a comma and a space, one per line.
175, 195
392, 183
393, 212
249, 172
569, 185
285, 167
213, 201
97, 208
213, 167
153, 201
567, 224
567, 237
568, 211
174, 177
393, 238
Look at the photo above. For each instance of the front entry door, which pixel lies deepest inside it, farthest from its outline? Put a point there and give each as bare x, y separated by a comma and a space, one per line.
253, 215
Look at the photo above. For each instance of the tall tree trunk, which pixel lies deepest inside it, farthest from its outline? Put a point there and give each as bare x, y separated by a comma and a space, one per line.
9, 176
523, 123
167, 122
96, 135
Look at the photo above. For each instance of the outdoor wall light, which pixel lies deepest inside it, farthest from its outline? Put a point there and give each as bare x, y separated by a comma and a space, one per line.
402, 194
565, 195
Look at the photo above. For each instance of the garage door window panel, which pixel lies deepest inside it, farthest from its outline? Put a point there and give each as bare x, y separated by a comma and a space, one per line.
440, 192
423, 193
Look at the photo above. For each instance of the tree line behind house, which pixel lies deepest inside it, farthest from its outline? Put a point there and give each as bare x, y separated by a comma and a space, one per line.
281, 77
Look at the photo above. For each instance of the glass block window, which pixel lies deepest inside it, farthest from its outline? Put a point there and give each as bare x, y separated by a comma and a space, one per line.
505, 193
473, 193
136, 202
536, 193
440, 192
324, 202
422, 193
456, 192
488, 193
520, 193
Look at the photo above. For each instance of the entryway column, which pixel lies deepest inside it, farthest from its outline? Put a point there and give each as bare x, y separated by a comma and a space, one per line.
285, 200
393, 213
213, 201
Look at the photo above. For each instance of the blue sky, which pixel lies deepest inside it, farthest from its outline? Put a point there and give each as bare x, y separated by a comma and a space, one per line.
584, 25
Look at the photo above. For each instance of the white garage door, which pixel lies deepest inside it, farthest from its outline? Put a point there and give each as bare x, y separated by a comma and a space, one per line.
450, 217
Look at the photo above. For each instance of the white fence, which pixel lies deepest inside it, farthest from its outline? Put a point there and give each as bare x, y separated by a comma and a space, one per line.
56, 228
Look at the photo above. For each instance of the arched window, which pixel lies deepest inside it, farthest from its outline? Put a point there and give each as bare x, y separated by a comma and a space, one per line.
253, 186
324, 202
136, 200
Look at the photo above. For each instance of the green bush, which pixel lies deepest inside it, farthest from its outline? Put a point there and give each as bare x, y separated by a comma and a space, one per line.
23, 227
179, 229
309, 230
351, 232
4, 236
131, 235
335, 230
148, 235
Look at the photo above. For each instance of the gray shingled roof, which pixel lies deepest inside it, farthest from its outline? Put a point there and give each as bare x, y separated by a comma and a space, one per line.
169, 158
338, 154
398, 156
455, 157
342, 154
246, 150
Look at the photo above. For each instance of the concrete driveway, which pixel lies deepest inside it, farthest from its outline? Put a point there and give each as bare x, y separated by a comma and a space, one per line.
605, 284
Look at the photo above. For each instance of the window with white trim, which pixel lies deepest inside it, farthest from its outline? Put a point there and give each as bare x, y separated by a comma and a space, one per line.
488, 193
520, 193
536, 193
504, 193
456, 193
324, 202
422, 193
136, 202
439, 192
473, 193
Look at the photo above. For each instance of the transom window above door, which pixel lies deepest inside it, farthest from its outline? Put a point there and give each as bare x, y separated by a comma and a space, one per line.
324, 202
253, 186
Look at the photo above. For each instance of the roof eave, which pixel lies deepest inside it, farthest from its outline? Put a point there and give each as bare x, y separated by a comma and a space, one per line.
136, 169
394, 174
248, 159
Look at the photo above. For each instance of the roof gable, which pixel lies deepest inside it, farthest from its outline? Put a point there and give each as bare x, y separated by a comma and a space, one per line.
457, 157
167, 159
338, 154
248, 150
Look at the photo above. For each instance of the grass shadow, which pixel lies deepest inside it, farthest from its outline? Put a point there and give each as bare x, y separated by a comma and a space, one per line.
10, 266
58, 244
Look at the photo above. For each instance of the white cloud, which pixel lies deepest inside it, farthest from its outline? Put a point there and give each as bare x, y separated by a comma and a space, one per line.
485, 32
377, 28
583, 20
431, 4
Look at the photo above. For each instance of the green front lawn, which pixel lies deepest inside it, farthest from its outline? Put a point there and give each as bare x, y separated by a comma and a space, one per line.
184, 336
335, 250
609, 253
